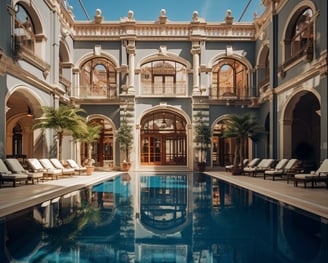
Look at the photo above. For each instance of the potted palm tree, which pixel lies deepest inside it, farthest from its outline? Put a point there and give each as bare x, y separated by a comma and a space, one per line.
124, 136
240, 128
202, 140
88, 133
61, 119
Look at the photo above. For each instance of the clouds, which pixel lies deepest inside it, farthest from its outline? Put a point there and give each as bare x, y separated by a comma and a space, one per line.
205, 8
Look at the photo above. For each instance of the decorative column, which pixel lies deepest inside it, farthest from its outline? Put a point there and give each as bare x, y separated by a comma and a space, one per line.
131, 50
195, 51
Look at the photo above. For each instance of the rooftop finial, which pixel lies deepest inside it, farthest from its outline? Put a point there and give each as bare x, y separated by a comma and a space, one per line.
98, 18
229, 18
195, 17
130, 15
162, 18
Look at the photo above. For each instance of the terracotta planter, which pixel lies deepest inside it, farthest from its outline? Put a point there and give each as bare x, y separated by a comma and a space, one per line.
125, 166
90, 170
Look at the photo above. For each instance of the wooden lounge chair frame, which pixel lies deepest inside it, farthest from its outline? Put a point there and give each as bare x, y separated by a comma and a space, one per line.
320, 175
8, 176
15, 167
261, 167
278, 170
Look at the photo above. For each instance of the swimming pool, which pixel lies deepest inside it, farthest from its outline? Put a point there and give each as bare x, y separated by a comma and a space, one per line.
172, 217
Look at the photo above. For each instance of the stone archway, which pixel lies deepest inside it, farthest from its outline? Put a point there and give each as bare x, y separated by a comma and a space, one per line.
103, 149
301, 129
22, 107
163, 137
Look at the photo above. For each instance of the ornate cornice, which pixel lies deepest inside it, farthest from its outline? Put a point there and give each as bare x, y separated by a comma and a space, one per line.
168, 31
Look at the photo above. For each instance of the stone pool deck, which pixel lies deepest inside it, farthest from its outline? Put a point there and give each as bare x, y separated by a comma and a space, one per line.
313, 200
13, 199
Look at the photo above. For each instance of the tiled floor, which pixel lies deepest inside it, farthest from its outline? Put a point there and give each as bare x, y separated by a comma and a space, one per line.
314, 200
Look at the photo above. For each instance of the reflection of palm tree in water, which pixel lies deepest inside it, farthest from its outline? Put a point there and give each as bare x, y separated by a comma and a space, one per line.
65, 237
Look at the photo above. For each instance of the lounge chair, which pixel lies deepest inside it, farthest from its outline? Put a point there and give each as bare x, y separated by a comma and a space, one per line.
320, 175
8, 176
50, 168
15, 167
65, 170
277, 170
229, 167
284, 167
252, 163
36, 166
261, 167
76, 167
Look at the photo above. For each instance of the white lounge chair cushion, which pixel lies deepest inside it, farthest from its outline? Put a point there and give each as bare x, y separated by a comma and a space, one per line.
35, 165
50, 169
16, 167
74, 165
59, 165
322, 171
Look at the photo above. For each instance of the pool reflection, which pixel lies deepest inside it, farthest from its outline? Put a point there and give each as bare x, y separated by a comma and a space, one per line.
180, 217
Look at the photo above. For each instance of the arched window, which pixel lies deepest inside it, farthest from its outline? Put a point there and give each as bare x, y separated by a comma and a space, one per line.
299, 36
229, 78
263, 69
17, 140
163, 77
24, 30
98, 78
64, 67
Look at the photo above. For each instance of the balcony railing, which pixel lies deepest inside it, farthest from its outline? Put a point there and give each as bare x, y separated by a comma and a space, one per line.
164, 90
96, 92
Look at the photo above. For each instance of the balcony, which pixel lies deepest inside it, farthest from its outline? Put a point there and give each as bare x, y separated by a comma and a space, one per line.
164, 90
96, 92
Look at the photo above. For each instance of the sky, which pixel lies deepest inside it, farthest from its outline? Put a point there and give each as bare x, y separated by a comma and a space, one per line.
176, 10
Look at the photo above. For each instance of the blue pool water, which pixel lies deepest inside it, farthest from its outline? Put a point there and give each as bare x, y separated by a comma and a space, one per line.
164, 218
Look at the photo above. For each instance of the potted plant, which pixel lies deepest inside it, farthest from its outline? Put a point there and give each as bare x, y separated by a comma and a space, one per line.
202, 140
240, 128
88, 133
124, 136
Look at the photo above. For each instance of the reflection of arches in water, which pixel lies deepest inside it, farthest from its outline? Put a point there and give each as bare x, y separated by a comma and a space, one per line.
103, 198
163, 205
301, 235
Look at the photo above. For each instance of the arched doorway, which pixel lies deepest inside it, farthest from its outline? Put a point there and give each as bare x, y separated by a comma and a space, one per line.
223, 148
306, 131
21, 108
301, 129
163, 138
103, 149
